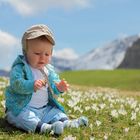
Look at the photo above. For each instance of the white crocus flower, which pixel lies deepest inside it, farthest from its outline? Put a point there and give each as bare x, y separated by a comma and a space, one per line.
122, 111
3, 103
87, 108
92, 138
94, 107
102, 106
91, 126
60, 99
98, 123
2, 84
114, 113
111, 105
1, 93
105, 137
133, 105
77, 108
133, 116
137, 109
69, 137
126, 129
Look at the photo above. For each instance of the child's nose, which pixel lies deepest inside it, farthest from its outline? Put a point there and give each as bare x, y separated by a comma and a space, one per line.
42, 56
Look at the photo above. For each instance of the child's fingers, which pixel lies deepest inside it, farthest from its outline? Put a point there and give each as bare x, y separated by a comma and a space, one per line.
63, 82
38, 84
63, 86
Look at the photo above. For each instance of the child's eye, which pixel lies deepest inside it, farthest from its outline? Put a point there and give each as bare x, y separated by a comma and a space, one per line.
37, 53
47, 54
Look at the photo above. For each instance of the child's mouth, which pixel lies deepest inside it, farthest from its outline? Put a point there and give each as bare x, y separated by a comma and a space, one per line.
41, 63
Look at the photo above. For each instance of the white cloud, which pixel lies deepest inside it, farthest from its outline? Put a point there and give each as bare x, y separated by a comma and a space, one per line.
6, 39
66, 53
8, 49
31, 7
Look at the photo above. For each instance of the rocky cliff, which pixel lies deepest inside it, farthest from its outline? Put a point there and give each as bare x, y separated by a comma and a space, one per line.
132, 57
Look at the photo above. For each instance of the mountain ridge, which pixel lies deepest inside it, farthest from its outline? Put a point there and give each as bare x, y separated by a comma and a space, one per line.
113, 55
108, 56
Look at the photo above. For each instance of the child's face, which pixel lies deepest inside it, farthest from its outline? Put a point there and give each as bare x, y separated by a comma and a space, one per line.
38, 53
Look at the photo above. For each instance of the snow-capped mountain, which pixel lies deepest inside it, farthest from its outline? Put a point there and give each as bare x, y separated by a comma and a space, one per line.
107, 57
62, 64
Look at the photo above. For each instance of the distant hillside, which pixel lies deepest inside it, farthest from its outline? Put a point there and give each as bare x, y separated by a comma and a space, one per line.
132, 57
4, 73
108, 57
62, 64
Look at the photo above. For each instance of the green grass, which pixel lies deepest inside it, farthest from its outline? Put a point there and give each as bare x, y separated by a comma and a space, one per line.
98, 106
119, 79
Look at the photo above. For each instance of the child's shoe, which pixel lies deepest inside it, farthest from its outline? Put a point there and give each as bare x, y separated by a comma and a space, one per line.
56, 127
82, 121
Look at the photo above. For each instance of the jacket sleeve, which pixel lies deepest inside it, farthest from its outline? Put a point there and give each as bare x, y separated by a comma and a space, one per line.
54, 78
19, 82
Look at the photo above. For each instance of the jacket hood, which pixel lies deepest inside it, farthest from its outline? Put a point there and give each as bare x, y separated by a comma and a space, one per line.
19, 60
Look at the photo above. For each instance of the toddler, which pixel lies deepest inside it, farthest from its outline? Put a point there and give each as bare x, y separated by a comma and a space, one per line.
31, 102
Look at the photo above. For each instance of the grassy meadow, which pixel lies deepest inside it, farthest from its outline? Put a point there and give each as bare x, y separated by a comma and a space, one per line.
111, 115
119, 79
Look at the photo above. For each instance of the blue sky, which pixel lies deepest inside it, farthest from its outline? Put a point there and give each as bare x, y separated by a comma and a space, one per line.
78, 25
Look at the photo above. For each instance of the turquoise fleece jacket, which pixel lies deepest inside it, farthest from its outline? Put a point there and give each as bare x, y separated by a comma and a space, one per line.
21, 88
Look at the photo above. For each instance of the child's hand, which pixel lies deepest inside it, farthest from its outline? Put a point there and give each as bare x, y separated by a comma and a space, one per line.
38, 84
62, 86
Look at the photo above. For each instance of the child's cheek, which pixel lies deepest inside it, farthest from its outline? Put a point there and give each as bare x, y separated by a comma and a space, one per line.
49, 59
